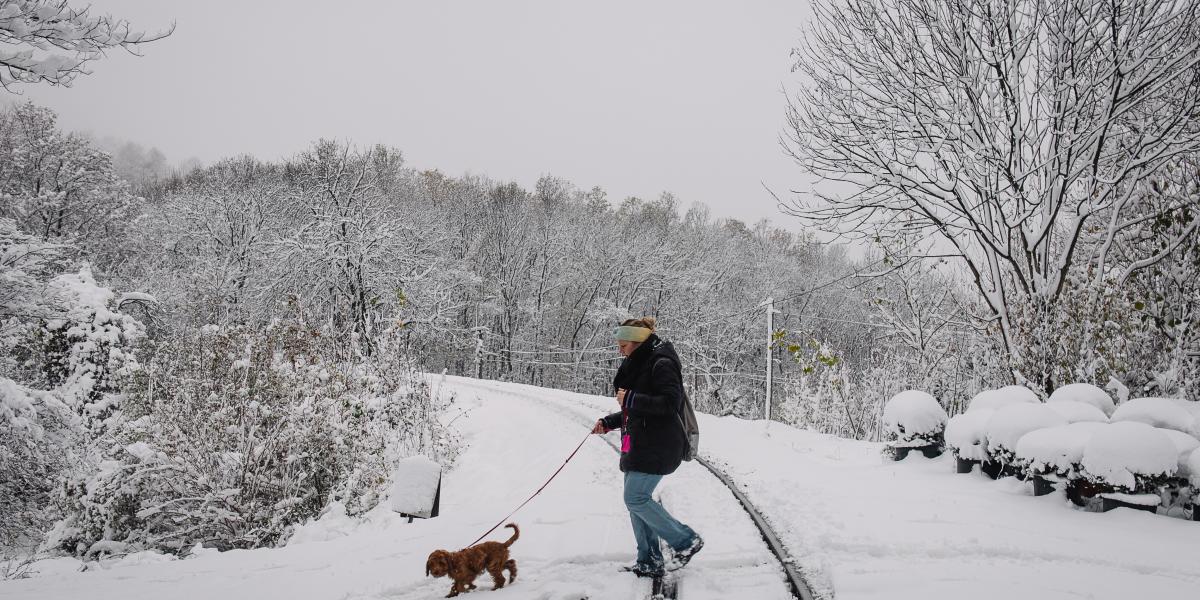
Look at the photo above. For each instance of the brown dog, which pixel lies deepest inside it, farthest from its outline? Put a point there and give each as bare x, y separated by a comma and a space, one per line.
467, 564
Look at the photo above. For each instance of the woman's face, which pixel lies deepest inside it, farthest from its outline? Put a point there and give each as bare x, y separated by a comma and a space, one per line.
627, 348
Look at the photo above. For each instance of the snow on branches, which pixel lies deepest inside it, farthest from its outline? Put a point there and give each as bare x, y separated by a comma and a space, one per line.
233, 435
1017, 139
49, 41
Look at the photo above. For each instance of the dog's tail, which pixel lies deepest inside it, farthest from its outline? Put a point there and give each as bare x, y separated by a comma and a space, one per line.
516, 534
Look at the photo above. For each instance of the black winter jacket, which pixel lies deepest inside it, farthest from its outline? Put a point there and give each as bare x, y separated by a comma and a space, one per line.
650, 417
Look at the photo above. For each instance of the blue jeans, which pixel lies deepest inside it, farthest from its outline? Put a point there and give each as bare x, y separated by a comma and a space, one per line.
651, 521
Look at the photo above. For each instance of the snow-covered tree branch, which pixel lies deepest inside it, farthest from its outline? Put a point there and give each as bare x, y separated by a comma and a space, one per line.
49, 41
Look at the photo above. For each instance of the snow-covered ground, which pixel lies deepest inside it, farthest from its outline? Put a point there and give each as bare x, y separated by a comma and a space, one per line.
859, 527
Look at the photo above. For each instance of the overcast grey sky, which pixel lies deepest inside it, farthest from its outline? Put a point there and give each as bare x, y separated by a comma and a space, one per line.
637, 97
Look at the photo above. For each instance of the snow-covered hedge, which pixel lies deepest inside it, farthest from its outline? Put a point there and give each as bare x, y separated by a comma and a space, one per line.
1129, 457
1086, 393
1010, 422
236, 435
1166, 413
1009, 394
966, 434
914, 418
1056, 451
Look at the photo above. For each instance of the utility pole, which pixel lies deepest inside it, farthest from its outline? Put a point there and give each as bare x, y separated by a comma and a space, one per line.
770, 335
479, 352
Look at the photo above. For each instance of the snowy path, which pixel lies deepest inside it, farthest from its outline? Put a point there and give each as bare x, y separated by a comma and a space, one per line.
735, 562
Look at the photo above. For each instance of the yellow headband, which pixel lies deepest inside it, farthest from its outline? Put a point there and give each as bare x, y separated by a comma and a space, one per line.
633, 333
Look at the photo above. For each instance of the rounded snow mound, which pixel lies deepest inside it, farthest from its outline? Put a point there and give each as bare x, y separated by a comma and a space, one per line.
1117, 454
1086, 393
1011, 422
1192, 407
967, 433
1184, 445
912, 413
1009, 394
1056, 450
1165, 413
1075, 412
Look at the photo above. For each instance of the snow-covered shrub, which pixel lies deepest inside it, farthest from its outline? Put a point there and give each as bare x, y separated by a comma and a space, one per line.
1009, 394
89, 347
1158, 412
1086, 393
913, 418
826, 397
1129, 457
39, 441
1056, 451
1010, 422
1075, 412
967, 434
231, 436
65, 352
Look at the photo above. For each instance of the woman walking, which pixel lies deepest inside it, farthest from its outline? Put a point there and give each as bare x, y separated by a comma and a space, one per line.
649, 390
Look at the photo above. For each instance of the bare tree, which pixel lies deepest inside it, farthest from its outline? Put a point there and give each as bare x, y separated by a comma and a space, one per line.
1009, 133
32, 32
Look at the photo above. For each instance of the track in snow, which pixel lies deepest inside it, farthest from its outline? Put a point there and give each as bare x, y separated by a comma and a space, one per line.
667, 588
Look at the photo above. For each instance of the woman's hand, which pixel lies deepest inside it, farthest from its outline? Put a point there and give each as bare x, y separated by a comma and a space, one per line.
599, 427
621, 397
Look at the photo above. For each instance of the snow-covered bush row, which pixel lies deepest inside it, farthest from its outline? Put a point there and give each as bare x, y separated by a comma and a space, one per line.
233, 435
914, 418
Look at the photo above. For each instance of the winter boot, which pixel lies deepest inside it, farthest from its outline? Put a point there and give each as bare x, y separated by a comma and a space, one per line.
644, 570
680, 558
